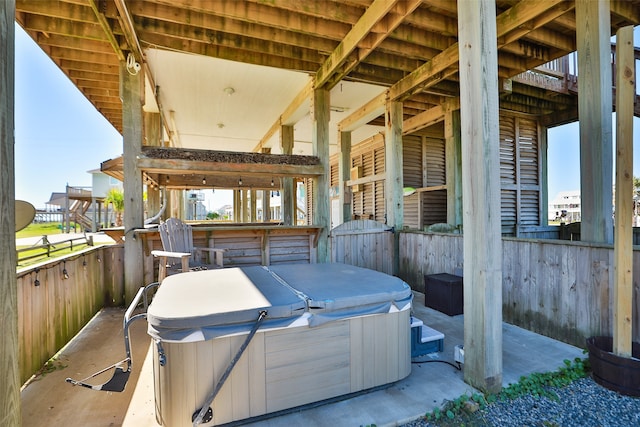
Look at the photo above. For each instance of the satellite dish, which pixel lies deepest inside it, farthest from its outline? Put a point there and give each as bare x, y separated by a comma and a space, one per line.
407, 191
25, 212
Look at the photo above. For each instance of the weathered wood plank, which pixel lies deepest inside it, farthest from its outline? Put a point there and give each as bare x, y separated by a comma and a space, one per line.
481, 194
594, 106
623, 249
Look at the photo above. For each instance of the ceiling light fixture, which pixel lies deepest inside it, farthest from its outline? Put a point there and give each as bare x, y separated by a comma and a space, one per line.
204, 180
272, 184
240, 181
229, 90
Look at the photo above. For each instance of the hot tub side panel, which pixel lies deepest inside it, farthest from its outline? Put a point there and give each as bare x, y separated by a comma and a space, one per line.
282, 368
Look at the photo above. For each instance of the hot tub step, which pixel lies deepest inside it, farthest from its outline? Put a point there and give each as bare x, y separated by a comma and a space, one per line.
424, 340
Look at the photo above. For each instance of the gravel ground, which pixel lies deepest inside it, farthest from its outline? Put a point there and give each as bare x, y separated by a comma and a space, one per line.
581, 404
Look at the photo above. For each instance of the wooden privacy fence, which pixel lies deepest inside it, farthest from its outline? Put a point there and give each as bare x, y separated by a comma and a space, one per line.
560, 289
56, 299
363, 243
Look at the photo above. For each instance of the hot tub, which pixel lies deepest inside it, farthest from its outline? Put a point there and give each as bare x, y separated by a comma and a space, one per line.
330, 330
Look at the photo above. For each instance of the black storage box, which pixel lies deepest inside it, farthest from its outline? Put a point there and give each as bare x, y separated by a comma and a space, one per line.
443, 292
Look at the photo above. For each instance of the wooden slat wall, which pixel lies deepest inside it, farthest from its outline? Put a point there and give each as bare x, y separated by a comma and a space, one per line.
412, 176
560, 289
412, 161
335, 174
411, 214
519, 172
53, 312
288, 248
378, 186
435, 160
434, 207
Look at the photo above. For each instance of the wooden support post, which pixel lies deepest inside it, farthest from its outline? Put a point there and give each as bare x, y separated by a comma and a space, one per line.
453, 167
152, 131
67, 210
320, 141
394, 205
266, 205
623, 243
253, 206
266, 196
543, 148
237, 206
393, 165
10, 411
245, 205
593, 36
288, 199
481, 194
344, 172
132, 94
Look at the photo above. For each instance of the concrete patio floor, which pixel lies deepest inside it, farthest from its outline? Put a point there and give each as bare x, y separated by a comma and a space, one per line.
50, 401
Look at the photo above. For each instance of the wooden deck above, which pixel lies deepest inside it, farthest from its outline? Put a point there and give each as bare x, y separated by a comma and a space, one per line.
409, 47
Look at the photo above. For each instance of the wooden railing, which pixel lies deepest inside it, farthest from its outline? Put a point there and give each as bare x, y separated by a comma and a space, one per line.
47, 249
561, 75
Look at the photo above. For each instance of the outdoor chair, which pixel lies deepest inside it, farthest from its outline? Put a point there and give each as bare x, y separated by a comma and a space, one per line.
177, 244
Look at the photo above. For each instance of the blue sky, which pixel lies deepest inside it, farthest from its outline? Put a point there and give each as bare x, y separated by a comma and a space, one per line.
60, 135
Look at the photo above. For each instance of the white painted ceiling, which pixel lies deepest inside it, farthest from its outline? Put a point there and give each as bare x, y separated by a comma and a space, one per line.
216, 104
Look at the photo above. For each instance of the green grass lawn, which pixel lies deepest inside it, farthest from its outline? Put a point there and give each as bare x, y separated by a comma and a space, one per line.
40, 229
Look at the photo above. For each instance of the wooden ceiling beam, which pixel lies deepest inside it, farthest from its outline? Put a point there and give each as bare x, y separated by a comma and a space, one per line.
440, 24
90, 75
207, 49
336, 66
296, 110
422, 37
395, 46
75, 43
96, 91
127, 26
542, 19
446, 5
445, 64
113, 85
206, 21
524, 17
553, 39
84, 30
79, 55
223, 40
343, 12
364, 114
68, 64
266, 15
626, 10
104, 100
108, 30
57, 9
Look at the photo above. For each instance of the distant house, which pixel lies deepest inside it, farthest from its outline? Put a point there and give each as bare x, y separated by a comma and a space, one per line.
565, 207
